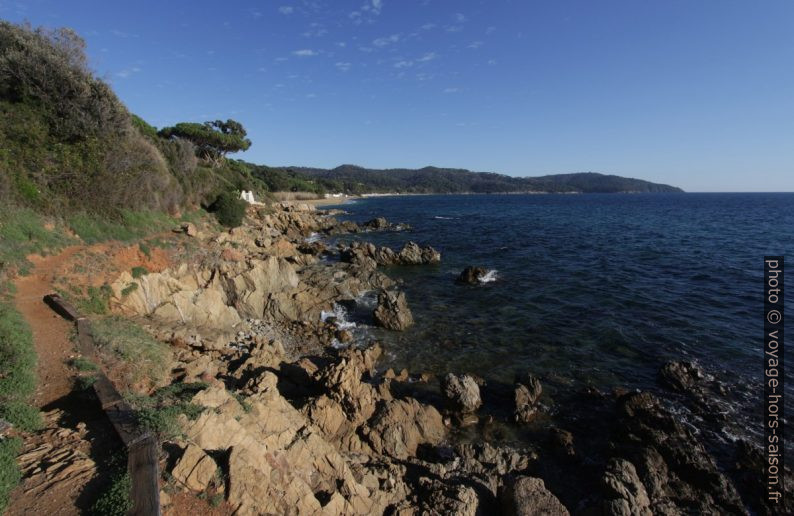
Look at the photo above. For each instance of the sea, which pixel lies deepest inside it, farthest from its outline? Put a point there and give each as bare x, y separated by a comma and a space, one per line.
588, 290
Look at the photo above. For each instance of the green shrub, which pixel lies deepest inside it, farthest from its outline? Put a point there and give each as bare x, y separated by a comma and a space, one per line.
115, 501
229, 209
139, 271
97, 301
144, 127
160, 412
145, 249
129, 289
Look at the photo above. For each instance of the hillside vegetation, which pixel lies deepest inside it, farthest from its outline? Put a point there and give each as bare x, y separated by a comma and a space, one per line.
358, 180
69, 145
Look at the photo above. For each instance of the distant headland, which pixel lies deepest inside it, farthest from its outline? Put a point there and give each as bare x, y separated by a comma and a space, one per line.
355, 179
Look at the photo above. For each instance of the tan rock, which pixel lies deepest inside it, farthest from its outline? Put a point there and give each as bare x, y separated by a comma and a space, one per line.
195, 470
400, 426
528, 496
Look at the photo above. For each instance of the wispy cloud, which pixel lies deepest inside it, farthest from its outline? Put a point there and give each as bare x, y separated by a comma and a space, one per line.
306, 52
451, 90
428, 26
427, 57
490, 30
343, 66
459, 19
388, 40
121, 34
286, 9
367, 12
403, 64
475, 44
127, 72
315, 31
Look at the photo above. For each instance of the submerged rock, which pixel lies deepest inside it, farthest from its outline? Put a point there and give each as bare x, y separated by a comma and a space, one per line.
472, 275
392, 311
682, 376
461, 392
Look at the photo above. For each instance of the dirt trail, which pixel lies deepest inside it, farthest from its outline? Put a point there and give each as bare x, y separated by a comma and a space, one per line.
50, 331
59, 463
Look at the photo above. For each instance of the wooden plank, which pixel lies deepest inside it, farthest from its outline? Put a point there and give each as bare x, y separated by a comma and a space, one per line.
124, 420
106, 392
144, 472
61, 307
141, 444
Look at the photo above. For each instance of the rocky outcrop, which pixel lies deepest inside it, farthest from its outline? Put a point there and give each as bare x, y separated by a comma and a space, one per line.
528, 496
368, 255
527, 392
472, 275
400, 426
381, 224
623, 491
678, 473
392, 311
461, 393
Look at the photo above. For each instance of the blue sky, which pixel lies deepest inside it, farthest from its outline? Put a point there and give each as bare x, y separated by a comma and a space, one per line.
699, 94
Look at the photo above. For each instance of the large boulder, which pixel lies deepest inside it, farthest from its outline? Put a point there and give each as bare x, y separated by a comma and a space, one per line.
392, 311
378, 223
528, 496
195, 469
412, 254
400, 426
461, 392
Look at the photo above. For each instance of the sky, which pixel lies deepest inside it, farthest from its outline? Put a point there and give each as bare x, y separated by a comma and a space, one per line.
698, 94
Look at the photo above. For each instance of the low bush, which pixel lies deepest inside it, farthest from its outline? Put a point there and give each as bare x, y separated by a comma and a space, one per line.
115, 500
229, 209
160, 412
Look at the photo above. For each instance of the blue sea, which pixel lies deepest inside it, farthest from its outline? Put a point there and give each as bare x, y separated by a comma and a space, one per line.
590, 290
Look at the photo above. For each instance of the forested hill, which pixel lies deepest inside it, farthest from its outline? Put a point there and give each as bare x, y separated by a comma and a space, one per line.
354, 179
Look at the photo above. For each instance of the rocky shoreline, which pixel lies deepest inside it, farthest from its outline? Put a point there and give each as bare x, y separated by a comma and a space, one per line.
298, 418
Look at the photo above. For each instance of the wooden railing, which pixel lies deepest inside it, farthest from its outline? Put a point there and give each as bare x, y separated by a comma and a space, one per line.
142, 446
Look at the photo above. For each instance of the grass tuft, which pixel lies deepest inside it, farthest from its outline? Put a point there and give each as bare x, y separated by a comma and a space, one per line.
146, 360
160, 412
